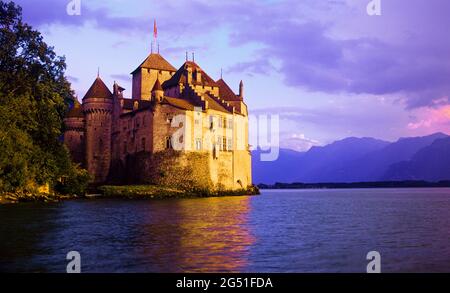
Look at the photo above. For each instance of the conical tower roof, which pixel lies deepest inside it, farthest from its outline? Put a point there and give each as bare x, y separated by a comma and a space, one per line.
98, 90
157, 86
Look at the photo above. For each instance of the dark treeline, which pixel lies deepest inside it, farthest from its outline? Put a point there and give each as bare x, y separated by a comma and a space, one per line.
34, 97
377, 184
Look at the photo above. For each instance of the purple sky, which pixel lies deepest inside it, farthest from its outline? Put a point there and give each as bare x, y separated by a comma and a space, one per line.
326, 67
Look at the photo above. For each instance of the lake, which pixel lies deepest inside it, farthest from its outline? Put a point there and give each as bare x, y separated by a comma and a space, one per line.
278, 231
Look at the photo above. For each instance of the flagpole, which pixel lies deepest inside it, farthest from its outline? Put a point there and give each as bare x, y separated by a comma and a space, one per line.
155, 34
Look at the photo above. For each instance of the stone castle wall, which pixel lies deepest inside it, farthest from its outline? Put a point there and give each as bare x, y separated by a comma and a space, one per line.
144, 80
74, 139
98, 137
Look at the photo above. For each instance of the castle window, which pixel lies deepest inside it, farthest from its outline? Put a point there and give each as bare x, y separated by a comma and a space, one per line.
220, 122
230, 144
198, 144
230, 123
100, 145
143, 143
219, 143
224, 122
137, 122
168, 142
211, 122
224, 142
197, 121
124, 147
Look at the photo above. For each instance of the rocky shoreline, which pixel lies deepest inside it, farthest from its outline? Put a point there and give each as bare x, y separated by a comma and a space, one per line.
11, 198
126, 192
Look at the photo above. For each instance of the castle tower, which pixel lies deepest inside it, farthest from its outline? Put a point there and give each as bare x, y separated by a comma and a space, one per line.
157, 92
74, 135
154, 67
98, 108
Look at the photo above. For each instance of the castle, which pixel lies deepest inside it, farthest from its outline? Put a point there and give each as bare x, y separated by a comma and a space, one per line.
171, 111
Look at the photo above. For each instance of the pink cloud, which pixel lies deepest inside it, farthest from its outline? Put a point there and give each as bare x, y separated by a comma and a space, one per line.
431, 119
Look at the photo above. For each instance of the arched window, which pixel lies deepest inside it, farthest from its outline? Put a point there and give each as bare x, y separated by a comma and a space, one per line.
168, 142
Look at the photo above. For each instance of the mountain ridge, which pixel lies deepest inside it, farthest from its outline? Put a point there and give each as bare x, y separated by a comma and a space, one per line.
351, 159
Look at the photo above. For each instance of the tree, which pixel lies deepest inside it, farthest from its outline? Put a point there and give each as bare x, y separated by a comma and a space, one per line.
34, 96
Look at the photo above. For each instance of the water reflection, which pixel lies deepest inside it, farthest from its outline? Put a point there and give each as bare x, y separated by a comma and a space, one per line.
202, 235
22, 230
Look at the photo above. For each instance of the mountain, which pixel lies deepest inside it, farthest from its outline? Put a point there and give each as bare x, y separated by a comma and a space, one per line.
355, 160
281, 170
312, 165
373, 165
328, 163
432, 163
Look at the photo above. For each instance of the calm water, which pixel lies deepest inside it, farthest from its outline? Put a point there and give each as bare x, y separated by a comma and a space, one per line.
279, 231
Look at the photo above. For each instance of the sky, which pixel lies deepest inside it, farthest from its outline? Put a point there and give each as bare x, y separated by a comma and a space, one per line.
327, 68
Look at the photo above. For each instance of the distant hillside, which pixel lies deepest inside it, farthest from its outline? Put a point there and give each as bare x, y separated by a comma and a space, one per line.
356, 160
373, 166
283, 169
328, 163
432, 163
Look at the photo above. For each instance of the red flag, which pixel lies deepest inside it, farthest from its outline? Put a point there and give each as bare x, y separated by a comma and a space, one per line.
155, 30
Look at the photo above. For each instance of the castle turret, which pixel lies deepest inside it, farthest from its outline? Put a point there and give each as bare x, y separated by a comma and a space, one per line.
98, 108
74, 135
144, 77
157, 92
241, 90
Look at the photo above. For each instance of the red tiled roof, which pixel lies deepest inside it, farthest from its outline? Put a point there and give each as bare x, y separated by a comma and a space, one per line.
180, 76
179, 103
157, 86
156, 61
226, 93
98, 90
128, 104
215, 105
76, 111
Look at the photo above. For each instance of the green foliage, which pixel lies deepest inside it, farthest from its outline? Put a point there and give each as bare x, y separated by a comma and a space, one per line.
76, 182
140, 191
34, 96
159, 192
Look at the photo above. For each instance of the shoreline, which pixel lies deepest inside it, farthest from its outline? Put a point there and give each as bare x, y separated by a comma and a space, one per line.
357, 185
132, 192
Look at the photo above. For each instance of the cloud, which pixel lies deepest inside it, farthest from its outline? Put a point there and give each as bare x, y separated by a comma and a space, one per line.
320, 46
431, 119
122, 77
297, 141
49, 12
260, 66
72, 78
